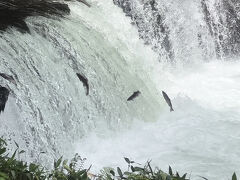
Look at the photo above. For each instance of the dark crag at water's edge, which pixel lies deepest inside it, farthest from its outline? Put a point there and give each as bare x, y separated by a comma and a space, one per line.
14, 12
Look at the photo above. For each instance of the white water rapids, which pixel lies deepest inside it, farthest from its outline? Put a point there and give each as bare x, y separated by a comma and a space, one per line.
49, 111
201, 137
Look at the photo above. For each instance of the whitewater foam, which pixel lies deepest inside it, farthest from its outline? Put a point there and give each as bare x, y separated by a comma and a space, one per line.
200, 137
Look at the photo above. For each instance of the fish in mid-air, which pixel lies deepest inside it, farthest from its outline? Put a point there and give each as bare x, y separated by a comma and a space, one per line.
8, 77
167, 99
84, 80
134, 95
84, 2
4, 92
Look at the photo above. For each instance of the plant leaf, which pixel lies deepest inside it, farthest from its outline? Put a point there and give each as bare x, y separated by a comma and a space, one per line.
112, 172
3, 150
13, 173
57, 164
67, 168
16, 144
234, 176
109, 177
150, 168
65, 162
4, 175
184, 176
170, 171
29, 176
138, 168
84, 176
13, 156
119, 172
203, 177
132, 168
127, 160
33, 167
168, 177
22, 151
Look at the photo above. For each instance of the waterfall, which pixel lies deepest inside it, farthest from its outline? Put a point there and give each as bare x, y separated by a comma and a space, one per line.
48, 110
186, 48
186, 30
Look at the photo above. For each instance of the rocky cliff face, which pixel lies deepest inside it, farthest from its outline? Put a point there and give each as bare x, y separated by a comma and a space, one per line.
149, 20
14, 12
210, 23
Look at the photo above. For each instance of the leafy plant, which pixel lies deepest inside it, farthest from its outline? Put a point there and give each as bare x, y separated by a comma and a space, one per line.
13, 169
145, 172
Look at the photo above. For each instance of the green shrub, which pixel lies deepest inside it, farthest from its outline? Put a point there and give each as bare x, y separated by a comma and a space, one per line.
13, 169
135, 172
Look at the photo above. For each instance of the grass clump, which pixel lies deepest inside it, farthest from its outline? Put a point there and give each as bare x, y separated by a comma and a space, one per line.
136, 172
13, 169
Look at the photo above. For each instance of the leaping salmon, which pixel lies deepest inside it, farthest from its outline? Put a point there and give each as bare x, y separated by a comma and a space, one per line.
84, 80
167, 99
84, 2
134, 95
4, 92
8, 77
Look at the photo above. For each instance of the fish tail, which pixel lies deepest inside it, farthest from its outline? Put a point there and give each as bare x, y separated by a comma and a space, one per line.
171, 109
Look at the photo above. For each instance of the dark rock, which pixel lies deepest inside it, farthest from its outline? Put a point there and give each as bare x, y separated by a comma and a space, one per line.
150, 24
4, 92
14, 12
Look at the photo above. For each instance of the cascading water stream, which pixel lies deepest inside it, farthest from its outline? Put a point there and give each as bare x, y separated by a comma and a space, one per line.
51, 110
48, 111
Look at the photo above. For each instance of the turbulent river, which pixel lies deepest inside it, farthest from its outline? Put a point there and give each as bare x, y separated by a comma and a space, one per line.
184, 48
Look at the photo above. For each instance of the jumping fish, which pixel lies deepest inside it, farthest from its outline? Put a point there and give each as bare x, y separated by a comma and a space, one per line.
4, 92
9, 78
167, 99
84, 80
134, 95
84, 2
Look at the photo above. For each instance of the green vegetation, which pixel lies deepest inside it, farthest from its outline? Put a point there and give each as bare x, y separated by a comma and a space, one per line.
13, 169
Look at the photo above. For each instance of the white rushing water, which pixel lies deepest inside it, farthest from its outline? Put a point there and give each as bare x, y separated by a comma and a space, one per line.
50, 112
201, 137
48, 109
